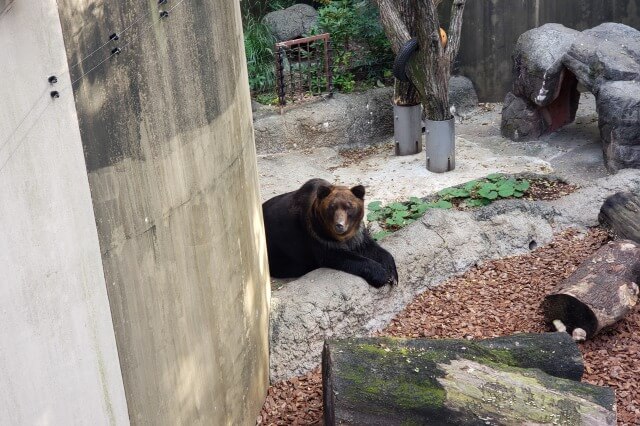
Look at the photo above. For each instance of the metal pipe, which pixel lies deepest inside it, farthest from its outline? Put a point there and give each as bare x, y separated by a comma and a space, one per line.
407, 129
440, 145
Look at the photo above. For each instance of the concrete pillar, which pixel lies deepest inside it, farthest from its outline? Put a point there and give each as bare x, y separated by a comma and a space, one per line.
168, 139
58, 360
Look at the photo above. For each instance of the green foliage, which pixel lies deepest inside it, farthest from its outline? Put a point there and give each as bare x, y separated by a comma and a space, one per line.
481, 192
258, 47
475, 193
396, 215
354, 24
339, 19
267, 98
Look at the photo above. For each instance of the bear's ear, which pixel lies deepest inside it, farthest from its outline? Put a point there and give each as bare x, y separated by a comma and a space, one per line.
358, 191
323, 191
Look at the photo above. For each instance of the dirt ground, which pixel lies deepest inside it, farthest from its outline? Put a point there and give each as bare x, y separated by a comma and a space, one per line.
574, 152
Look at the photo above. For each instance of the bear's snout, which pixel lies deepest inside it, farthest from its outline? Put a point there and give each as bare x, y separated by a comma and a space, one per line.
340, 228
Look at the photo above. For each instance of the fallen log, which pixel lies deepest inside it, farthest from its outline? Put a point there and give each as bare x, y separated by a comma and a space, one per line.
600, 292
385, 381
621, 213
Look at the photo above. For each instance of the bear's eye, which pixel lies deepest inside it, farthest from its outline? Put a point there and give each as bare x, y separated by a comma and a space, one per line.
349, 206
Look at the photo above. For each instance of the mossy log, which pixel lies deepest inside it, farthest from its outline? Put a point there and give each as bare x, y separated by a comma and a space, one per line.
600, 292
385, 381
621, 213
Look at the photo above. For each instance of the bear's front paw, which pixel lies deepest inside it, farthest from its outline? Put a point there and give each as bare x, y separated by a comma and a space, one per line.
391, 268
393, 280
382, 278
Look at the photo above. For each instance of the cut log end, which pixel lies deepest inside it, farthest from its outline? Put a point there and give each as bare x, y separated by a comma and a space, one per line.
600, 292
571, 312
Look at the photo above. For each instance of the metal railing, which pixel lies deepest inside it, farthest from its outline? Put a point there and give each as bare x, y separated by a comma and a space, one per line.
303, 68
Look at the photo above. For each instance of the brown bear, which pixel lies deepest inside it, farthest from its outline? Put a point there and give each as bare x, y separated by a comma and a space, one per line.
320, 225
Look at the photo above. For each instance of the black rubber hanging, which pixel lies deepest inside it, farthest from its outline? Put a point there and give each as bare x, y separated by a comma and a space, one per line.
402, 59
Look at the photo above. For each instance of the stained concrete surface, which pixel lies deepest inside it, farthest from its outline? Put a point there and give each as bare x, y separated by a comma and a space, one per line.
168, 141
58, 359
574, 153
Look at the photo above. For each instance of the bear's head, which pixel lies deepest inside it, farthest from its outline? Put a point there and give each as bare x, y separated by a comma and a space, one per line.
340, 210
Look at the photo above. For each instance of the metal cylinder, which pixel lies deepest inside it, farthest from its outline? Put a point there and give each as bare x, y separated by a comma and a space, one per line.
407, 129
440, 145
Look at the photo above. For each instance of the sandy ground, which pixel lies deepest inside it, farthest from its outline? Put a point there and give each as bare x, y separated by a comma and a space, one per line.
574, 153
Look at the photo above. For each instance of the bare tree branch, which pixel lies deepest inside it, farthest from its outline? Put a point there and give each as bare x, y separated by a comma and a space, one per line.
394, 24
455, 29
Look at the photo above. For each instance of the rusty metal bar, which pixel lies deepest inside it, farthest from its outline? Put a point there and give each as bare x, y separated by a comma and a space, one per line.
290, 43
298, 80
282, 100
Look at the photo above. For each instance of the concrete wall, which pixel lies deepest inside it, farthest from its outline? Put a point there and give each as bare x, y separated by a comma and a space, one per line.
58, 360
168, 140
492, 27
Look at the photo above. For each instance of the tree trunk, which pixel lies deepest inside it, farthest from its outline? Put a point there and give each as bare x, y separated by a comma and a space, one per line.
621, 213
382, 381
430, 67
600, 292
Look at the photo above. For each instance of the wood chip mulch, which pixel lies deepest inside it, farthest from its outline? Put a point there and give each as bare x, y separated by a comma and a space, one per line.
497, 298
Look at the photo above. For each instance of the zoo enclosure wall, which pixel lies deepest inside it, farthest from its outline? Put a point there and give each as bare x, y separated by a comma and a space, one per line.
491, 29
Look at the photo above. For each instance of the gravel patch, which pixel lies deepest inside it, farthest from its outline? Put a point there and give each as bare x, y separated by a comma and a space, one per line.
496, 298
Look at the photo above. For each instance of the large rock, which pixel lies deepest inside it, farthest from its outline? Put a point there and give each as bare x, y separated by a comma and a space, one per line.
354, 119
462, 95
329, 303
292, 22
521, 119
618, 105
608, 52
538, 69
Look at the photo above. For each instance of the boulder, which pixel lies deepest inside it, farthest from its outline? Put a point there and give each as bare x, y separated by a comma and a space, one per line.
344, 120
328, 303
292, 22
608, 52
462, 95
618, 106
538, 69
521, 119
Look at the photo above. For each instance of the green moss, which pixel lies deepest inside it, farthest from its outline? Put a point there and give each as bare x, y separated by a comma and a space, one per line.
419, 395
371, 349
496, 356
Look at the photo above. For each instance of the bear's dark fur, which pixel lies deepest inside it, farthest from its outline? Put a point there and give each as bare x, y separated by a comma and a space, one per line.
319, 225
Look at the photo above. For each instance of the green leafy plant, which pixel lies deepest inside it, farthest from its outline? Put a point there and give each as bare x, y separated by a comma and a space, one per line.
362, 53
397, 215
475, 193
258, 47
482, 192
